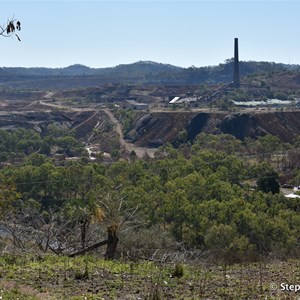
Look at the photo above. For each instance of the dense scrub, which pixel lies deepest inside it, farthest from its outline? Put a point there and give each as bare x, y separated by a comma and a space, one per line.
178, 223
17, 145
192, 198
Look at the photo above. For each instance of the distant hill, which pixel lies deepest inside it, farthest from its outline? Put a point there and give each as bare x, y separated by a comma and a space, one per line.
142, 72
138, 68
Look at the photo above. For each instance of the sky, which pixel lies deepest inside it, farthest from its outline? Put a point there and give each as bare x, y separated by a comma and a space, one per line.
106, 33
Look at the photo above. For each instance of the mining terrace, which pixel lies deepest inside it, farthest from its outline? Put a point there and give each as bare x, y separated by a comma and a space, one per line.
151, 128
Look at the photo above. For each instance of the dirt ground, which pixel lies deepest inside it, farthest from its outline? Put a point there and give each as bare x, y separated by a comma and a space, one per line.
97, 279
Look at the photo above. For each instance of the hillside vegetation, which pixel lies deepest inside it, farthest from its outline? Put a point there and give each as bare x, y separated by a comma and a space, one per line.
143, 72
193, 212
83, 215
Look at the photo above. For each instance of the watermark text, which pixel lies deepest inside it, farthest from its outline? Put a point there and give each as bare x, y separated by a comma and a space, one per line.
284, 287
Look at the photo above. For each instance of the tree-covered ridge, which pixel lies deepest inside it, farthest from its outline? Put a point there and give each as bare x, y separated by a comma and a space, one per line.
196, 197
145, 72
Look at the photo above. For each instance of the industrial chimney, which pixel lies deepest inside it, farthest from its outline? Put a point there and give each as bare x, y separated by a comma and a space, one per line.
236, 70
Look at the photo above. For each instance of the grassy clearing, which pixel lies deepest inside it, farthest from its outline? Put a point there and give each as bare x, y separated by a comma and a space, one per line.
89, 277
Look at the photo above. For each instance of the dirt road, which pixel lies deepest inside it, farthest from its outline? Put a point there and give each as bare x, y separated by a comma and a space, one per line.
129, 147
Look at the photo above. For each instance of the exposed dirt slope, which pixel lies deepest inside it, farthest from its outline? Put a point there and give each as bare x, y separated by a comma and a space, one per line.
154, 129
158, 128
129, 147
39, 120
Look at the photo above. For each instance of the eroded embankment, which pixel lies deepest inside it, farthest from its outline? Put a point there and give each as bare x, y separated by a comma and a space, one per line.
153, 129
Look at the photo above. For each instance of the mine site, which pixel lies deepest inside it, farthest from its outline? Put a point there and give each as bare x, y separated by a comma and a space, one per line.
150, 150
142, 117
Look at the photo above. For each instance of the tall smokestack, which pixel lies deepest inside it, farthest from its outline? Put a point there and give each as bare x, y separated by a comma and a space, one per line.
236, 70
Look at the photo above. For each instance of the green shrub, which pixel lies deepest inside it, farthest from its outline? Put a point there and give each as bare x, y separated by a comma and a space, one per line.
178, 271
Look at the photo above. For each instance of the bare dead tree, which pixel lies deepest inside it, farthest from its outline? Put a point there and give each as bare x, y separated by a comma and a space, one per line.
116, 215
29, 229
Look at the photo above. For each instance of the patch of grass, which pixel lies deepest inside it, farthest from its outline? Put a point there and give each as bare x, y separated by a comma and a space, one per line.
154, 293
16, 294
95, 278
79, 275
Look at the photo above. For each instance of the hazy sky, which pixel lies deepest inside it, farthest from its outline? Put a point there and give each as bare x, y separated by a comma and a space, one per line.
183, 33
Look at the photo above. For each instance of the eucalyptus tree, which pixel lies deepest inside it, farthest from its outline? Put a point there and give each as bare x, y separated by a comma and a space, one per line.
10, 28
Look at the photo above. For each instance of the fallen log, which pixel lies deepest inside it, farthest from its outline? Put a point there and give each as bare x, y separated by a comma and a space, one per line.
93, 247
